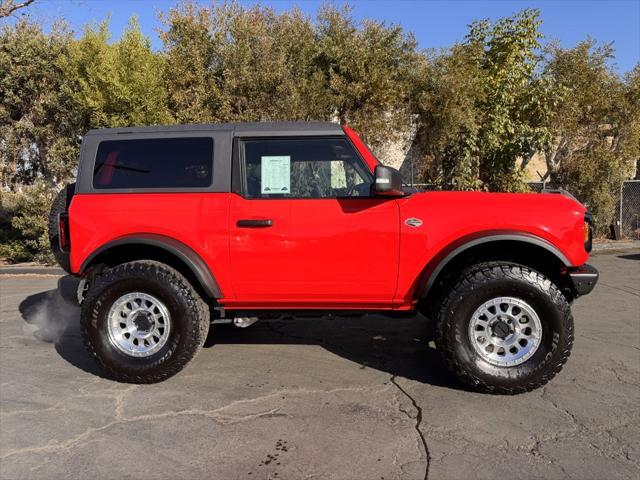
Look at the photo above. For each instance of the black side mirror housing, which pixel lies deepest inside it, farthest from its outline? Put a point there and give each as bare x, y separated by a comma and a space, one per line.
387, 182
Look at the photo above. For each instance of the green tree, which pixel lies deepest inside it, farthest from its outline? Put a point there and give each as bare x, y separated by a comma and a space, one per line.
230, 63
596, 126
518, 102
116, 84
446, 99
263, 62
487, 105
193, 95
368, 71
37, 124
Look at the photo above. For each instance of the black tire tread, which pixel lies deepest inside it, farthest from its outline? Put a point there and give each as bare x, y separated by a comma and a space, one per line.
477, 275
163, 273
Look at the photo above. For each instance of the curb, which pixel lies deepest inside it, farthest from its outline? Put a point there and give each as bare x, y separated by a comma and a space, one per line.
615, 246
29, 270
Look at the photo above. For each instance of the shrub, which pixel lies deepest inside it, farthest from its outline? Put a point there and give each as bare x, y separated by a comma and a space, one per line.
23, 221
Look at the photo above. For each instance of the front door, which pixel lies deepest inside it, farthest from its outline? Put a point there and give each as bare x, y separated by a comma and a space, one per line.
304, 231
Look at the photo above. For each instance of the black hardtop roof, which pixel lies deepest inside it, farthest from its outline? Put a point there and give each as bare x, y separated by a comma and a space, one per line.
238, 129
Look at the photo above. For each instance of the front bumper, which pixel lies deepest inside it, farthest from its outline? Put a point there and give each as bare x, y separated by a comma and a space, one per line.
584, 278
69, 288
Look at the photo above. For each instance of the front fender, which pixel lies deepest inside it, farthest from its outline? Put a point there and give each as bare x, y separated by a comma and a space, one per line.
446, 255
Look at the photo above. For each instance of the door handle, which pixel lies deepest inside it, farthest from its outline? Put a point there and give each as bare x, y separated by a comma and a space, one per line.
255, 223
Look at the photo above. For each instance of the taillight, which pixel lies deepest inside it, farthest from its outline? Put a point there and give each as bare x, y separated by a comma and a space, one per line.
588, 231
64, 240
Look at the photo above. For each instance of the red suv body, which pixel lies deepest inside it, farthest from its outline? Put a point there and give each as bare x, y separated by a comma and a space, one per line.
301, 216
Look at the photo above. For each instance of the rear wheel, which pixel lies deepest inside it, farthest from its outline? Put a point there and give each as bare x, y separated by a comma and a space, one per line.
143, 322
504, 328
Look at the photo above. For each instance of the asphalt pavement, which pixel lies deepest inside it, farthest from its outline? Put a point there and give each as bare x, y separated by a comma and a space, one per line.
325, 398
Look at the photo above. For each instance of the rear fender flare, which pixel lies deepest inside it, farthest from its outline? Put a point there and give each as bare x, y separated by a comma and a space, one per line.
183, 252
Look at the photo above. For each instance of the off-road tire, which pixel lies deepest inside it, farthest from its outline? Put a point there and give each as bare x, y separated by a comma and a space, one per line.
189, 321
482, 282
60, 205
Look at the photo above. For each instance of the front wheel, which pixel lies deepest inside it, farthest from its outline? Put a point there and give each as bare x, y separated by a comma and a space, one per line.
143, 322
504, 328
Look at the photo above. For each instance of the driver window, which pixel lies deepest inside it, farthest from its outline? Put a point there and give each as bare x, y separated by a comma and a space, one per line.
303, 168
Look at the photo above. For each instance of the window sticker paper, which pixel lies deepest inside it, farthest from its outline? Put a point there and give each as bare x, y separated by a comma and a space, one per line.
276, 174
338, 175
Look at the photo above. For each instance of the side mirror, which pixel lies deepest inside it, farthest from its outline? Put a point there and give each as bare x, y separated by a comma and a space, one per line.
387, 182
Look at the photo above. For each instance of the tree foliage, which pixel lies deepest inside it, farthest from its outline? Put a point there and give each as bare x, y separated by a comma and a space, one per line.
479, 110
596, 126
116, 84
23, 223
230, 63
37, 132
192, 92
484, 104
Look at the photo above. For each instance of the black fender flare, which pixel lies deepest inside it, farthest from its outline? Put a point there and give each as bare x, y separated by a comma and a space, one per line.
440, 261
183, 252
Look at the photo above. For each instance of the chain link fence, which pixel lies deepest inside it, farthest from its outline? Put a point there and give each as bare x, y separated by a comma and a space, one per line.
538, 186
629, 209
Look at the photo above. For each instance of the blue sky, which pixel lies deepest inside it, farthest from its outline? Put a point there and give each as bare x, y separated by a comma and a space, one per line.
435, 23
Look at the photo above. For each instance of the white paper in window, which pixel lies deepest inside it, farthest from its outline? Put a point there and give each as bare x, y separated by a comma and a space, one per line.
338, 175
276, 174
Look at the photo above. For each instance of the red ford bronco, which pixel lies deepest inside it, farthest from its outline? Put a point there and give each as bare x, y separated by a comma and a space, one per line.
168, 229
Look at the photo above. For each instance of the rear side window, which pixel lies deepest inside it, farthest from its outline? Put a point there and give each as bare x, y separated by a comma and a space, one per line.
154, 163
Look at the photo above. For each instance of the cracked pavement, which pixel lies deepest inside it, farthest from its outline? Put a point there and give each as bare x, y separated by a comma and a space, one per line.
324, 398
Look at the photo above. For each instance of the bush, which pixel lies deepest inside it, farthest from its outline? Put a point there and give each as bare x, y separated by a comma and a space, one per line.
594, 177
23, 223
11, 246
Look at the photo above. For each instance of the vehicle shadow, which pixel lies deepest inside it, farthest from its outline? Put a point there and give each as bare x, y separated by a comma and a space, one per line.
398, 346
632, 256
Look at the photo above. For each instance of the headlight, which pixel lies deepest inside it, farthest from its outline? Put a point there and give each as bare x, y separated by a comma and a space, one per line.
588, 231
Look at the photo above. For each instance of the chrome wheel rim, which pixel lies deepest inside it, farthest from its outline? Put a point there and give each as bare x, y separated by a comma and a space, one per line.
139, 324
505, 331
